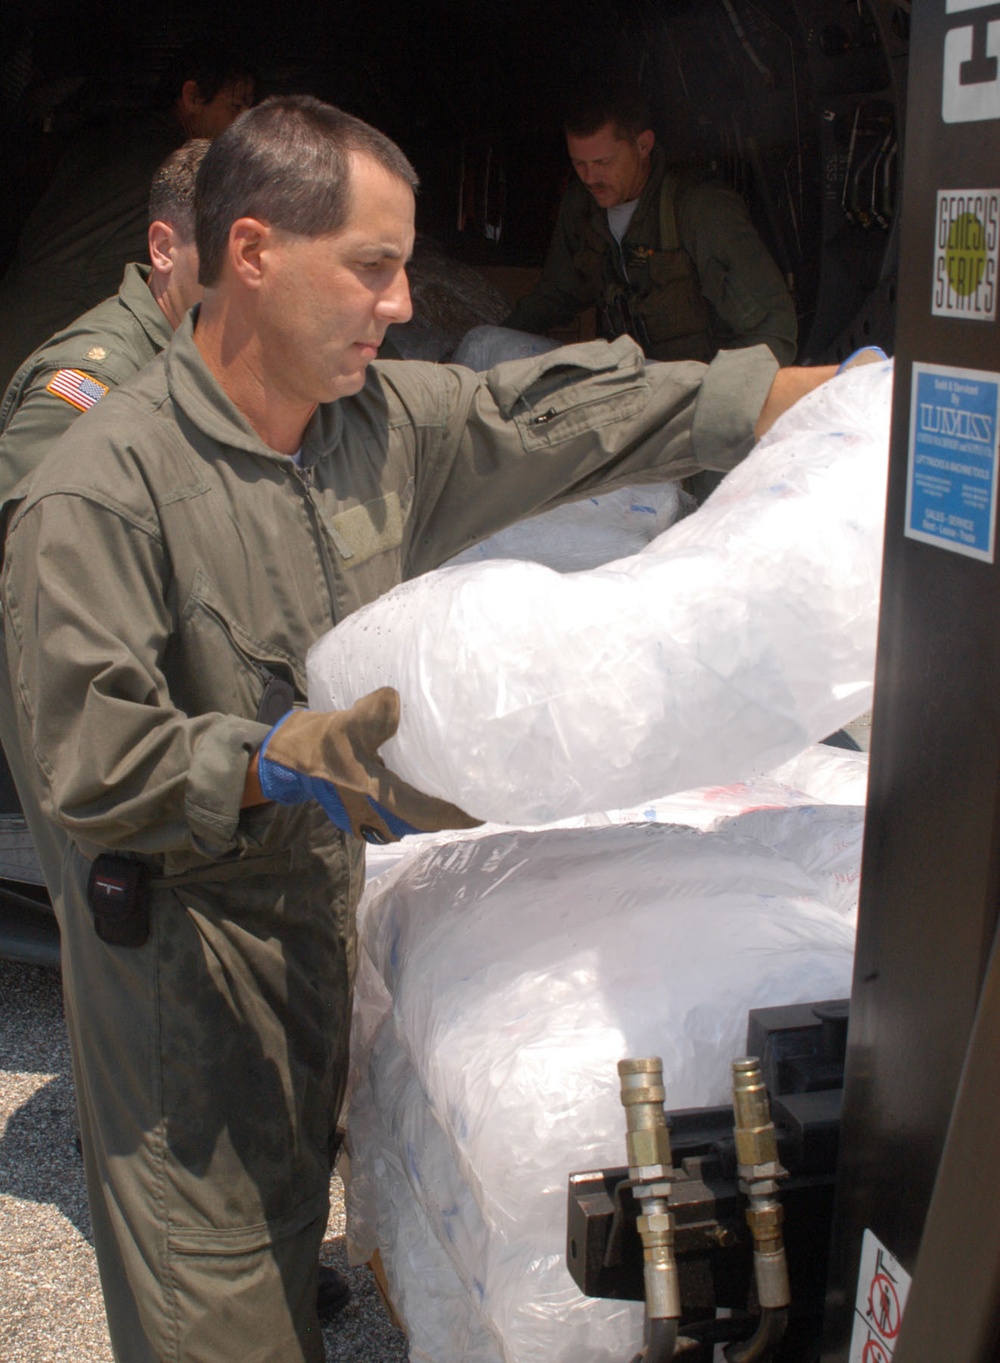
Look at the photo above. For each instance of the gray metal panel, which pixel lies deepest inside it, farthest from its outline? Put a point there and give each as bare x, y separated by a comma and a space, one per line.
953, 1310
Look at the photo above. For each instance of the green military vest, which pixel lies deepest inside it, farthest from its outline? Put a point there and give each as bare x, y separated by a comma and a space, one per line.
660, 304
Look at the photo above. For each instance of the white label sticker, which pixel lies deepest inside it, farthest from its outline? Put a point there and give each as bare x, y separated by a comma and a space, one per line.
970, 85
883, 1285
966, 254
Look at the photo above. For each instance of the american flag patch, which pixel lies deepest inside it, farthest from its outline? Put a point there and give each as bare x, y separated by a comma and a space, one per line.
77, 388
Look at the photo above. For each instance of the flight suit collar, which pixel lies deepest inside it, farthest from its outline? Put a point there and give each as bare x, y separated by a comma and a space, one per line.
137, 296
199, 395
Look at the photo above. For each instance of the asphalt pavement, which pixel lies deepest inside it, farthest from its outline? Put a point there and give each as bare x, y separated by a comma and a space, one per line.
50, 1298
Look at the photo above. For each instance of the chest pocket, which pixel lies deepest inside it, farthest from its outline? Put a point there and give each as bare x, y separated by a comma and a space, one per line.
371, 528
592, 259
677, 316
218, 664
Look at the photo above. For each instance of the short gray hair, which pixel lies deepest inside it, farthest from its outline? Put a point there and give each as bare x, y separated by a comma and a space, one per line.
286, 162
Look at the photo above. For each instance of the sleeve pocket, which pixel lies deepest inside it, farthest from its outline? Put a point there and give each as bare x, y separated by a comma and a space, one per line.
554, 397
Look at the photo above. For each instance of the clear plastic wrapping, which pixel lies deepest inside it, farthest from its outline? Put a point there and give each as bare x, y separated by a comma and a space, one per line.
585, 534
484, 346
501, 979
741, 635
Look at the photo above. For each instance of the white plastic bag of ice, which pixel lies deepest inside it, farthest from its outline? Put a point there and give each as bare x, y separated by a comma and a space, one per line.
576, 536
484, 346
738, 637
501, 979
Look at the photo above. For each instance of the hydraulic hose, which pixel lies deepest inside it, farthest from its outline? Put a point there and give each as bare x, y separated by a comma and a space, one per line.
659, 1342
767, 1336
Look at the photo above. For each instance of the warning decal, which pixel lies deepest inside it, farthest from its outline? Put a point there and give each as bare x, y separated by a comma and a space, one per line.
878, 1308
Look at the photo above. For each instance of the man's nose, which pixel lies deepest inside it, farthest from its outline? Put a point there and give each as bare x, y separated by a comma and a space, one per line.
395, 304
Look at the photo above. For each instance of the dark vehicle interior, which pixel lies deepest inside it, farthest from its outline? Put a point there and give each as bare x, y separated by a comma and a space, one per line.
797, 104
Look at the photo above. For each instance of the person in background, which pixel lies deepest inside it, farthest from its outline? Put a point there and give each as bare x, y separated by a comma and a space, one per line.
99, 350
165, 572
91, 220
668, 258
67, 376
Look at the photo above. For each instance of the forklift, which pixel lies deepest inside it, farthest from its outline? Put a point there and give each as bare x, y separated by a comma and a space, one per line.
847, 1207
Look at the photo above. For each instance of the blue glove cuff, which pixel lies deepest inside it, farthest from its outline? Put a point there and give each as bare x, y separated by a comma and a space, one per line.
875, 352
279, 783
393, 822
285, 786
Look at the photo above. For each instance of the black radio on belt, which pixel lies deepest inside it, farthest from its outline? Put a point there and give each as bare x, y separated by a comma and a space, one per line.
118, 894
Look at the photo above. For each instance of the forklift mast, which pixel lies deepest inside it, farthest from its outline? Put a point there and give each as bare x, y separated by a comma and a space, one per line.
917, 1182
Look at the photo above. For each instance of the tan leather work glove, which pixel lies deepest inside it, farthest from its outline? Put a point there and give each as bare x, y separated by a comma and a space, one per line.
332, 756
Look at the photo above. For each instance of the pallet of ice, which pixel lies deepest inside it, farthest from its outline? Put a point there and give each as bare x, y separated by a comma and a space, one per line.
502, 977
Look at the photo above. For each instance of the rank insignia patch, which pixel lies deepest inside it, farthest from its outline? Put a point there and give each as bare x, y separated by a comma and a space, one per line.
76, 388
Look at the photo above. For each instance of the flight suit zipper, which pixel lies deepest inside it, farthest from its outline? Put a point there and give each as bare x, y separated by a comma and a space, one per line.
325, 530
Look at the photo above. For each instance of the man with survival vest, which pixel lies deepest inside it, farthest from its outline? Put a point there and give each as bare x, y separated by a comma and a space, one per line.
667, 258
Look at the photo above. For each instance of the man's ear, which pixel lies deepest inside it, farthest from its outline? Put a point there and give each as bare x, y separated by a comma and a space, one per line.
249, 240
191, 96
161, 241
645, 141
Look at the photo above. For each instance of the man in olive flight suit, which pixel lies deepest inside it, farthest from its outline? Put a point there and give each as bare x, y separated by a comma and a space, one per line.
669, 259
77, 366
73, 371
164, 576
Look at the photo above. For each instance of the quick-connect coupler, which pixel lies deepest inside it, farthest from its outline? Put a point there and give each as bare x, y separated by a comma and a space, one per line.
650, 1167
759, 1173
647, 1136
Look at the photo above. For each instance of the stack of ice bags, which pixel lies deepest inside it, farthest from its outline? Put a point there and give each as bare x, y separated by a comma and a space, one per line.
503, 973
735, 639
501, 978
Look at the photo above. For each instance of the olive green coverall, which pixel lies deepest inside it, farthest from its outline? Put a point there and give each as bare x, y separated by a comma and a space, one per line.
690, 277
106, 346
163, 566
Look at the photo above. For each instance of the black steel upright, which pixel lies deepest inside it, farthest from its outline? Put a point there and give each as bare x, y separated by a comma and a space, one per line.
931, 868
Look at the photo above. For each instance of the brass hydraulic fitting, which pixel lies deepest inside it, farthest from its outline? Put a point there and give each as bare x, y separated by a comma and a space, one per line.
756, 1142
647, 1136
662, 1286
759, 1170
765, 1221
650, 1169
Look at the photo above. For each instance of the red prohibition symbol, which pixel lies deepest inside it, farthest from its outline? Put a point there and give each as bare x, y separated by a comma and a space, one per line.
883, 1306
874, 1352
